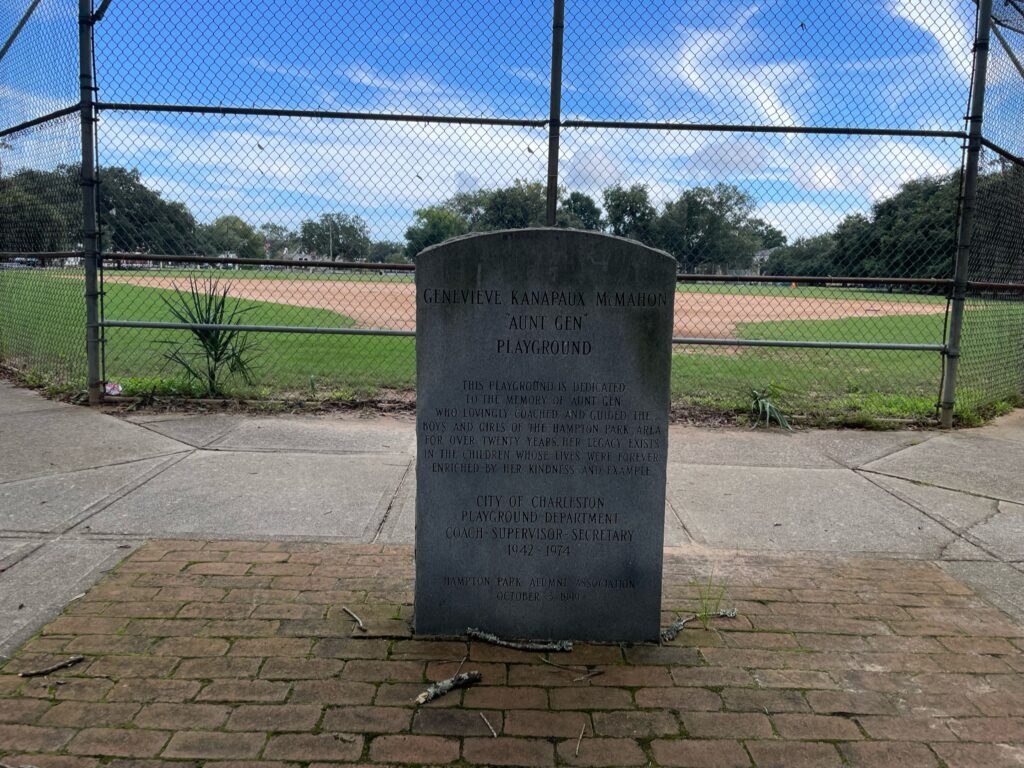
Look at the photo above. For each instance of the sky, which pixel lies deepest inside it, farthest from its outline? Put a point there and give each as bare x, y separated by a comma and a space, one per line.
863, 63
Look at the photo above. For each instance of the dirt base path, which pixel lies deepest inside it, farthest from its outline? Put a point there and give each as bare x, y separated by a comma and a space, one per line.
392, 305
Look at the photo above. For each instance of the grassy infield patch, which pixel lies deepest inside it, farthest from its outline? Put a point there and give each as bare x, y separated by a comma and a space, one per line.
852, 386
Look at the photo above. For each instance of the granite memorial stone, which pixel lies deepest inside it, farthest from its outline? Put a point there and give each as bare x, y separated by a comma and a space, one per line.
543, 360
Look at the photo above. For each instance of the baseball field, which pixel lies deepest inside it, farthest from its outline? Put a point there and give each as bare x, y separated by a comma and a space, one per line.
827, 381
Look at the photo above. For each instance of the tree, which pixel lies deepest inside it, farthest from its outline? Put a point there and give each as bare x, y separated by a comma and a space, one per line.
387, 252
337, 236
630, 213
433, 225
579, 211
29, 224
710, 229
807, 256
524, 204
279, 242
855, 250
769, 236
230, 236
135, 218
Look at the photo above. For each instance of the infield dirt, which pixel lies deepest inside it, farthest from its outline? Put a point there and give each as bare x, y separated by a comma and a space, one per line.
392, 305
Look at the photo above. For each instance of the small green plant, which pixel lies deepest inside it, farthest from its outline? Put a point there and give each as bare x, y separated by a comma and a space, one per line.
211, 353
762, 407
709, 600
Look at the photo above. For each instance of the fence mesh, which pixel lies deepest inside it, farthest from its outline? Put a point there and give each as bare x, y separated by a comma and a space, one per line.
774, 64
42, 312
755, 143
39, 72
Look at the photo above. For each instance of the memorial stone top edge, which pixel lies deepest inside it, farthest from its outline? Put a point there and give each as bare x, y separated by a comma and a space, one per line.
526, 233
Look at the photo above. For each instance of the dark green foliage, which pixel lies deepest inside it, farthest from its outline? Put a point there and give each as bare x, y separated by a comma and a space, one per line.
516, 207
134, 218
710, 229
231, 237
807, 256
911, 234
630, 213
337, 236
30, 223
279, 242
387, 252
433, 225
211, 353
579, 211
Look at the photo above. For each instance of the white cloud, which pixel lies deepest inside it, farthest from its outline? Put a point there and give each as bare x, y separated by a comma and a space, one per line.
869, 166
718, 63
948, 22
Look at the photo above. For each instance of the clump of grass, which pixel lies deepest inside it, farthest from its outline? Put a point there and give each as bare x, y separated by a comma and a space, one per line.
211, 353
763, 407
709, 600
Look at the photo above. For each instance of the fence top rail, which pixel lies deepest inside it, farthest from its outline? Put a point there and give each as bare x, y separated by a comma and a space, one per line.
733, 128
339, 265
397, 117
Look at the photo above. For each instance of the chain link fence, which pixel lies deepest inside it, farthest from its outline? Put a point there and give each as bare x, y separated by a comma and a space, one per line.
265, 180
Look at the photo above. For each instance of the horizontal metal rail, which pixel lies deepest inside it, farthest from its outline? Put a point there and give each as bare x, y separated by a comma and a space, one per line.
996, 287
398, 117
732, 128
165, 259
42, 255
254, 328
814, 280
1017, 159
40, 120
412, 334
808, 344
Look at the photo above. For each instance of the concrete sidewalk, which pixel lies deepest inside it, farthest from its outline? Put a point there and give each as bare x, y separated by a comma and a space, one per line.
80, 489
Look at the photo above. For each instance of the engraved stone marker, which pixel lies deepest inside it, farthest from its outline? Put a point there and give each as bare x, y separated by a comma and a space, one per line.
542, 361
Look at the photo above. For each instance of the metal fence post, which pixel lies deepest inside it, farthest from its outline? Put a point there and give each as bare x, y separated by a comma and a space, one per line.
968, 198
90, 250
555, 113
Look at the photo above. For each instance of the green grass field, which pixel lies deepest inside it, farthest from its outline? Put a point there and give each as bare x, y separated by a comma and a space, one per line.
42, 329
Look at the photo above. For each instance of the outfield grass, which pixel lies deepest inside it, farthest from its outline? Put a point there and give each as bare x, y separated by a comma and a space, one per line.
43, 318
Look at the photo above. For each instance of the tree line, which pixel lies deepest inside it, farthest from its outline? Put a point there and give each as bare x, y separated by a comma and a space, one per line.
708, 229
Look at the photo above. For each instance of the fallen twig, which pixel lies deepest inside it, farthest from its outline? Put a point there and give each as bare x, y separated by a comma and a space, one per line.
441, 687
52, 668
494, 733
593, 673
11, 765
461, 663
580, 739
359, 622
524, 645
672, 631
563, 666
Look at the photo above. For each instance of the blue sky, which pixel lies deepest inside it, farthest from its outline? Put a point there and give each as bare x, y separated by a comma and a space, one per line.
868, 63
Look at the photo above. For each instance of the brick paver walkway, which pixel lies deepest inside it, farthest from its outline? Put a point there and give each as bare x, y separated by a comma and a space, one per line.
239, 654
